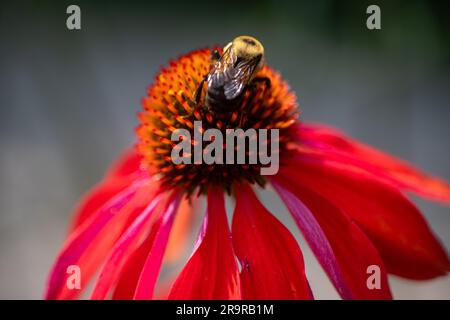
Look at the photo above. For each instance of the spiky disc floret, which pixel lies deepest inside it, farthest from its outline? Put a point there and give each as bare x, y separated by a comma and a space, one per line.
170, 105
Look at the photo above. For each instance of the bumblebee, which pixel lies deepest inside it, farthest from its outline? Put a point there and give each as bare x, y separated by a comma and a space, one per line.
231, 74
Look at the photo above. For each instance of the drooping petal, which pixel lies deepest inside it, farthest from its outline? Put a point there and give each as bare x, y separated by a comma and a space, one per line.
333, 143
152, 266
341, 247
271, 260
211, 272
79, 241
91, 242
128, 164
129, 276
180, 230
130, 272
120, 176
395, 226
122, 250
96, 198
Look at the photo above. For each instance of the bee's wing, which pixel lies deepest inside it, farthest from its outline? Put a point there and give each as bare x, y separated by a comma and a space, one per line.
233, 76
221, 72
239, 77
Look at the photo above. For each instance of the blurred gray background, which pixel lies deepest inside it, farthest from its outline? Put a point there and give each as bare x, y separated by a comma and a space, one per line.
69, 99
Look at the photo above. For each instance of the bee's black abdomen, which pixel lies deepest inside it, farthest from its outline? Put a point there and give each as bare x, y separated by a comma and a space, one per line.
217, 101
217, 97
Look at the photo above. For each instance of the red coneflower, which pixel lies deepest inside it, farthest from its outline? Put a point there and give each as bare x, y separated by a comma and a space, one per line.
345, 197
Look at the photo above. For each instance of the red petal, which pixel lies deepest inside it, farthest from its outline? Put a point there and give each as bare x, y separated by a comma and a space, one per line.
91, 242
345, 253
77, 244
122, 251
338, 146
120, 176
128, 164
152, 266
271, 260
389, 219
211, 272
96, 198
129, 274
181, 229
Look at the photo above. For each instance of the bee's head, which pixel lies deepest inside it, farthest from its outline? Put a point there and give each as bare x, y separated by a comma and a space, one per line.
249, 48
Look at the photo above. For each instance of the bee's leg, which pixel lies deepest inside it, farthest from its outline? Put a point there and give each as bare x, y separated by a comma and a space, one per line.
197, 96
198, 92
